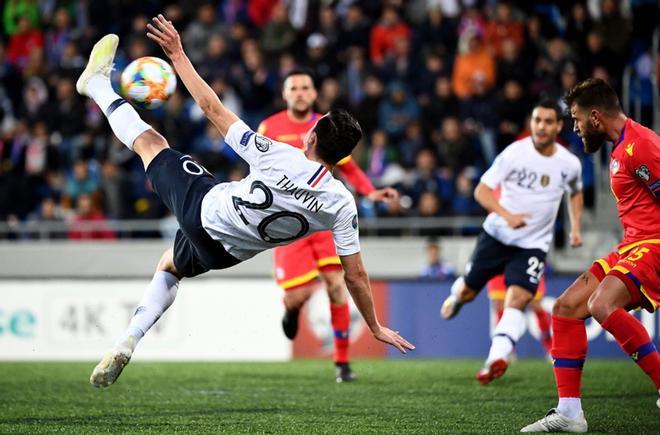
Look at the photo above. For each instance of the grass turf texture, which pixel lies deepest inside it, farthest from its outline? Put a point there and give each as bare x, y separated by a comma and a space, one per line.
434, 396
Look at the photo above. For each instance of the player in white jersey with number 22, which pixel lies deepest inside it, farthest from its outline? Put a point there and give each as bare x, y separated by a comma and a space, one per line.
533, 174
287, 195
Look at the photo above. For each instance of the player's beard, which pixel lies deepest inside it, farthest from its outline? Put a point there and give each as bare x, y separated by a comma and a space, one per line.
593, 139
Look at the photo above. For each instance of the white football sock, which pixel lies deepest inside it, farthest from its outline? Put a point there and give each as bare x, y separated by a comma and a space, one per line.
570, 407
506, 334
125, 122
157, 298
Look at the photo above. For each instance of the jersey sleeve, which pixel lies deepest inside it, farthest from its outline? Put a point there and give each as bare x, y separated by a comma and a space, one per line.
355, 176
494, 176
251, 146
645, 164
345, 230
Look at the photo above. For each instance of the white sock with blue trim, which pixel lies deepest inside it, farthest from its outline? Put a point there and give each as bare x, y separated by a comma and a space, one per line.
157, 298
125, 122
506, 334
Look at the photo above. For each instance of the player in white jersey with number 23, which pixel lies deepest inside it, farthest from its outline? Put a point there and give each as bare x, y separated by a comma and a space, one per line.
288, 195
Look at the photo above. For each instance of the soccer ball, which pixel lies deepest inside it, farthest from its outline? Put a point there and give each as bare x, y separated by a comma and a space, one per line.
148, 82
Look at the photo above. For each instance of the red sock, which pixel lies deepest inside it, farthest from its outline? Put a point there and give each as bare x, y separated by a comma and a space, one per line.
543, 320
569, 350
635, 341
341, 321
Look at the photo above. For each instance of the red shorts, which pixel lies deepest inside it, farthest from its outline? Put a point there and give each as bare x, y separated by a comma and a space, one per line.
300, 262
638, 266
497, 289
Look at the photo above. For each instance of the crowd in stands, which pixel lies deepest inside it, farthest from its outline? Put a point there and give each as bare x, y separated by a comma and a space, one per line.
439, 87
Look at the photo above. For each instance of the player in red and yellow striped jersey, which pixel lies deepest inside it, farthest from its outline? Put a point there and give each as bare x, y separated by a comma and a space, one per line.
303, 265
625, 279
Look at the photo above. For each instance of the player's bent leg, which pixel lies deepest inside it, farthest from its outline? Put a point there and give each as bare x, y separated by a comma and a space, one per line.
459, 295
294, 299
608, 306
158, 297
94, 82
508, 331
569, 351
340, 317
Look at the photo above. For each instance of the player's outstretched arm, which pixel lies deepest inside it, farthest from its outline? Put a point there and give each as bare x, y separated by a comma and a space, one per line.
357, 281
163, 32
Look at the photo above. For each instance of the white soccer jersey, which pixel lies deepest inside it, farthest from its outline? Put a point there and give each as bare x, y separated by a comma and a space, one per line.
532, 184
285, 197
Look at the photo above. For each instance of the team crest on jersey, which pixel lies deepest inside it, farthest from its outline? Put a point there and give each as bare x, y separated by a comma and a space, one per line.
643, 172
629, 148
262, 143
354, 222
614, 166
545, 180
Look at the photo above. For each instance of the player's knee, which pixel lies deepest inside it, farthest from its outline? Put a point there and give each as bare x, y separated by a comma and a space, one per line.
565, 307
467, 294
150, 140
166, 263
599, 307
335, 287
296, 298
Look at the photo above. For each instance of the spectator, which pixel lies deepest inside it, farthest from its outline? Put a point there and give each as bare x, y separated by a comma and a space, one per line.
412, 142
578, 26
216, 63
474, 61
443, 104
255, 84
479, 116
397, 111
15, 10
437, 34
503, 28
23, 42
278, 35
354, 29
357, 70
89, 223
512, 109
368, 109
453, 148
322, 65
436, 267
82, 181
511, 65
616, 29
385, 33
199, 31
330, 96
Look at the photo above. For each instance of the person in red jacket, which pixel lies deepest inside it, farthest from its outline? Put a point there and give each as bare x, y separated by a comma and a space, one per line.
300, 265
385, 34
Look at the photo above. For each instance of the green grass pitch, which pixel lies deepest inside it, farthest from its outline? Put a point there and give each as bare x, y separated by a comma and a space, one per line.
390, 396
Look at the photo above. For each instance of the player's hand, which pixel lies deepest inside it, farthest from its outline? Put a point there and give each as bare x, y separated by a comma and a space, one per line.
575, 239
388, 194
393, 338
163, 32
516, 220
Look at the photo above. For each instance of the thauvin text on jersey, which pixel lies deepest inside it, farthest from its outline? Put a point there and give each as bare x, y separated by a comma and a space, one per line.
302, 195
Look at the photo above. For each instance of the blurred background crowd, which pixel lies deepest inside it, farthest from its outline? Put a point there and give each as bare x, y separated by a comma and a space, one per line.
439, 86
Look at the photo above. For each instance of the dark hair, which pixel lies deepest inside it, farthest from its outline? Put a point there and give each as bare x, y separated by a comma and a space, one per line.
337, 133
593, 93
300, 71
550, 104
